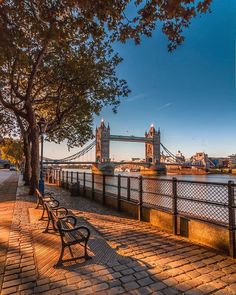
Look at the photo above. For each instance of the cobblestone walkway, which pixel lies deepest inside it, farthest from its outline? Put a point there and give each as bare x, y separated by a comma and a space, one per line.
129, 257
7, 202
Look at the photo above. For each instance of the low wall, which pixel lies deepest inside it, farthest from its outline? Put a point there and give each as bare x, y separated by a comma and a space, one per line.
196, 231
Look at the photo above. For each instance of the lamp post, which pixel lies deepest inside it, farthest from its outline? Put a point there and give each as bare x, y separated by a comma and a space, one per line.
42, 128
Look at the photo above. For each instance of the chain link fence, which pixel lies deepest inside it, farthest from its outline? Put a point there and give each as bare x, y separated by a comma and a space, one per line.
206, 201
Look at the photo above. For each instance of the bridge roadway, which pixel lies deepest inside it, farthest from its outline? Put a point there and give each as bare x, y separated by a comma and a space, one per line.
91, 163
117, 163
130, 138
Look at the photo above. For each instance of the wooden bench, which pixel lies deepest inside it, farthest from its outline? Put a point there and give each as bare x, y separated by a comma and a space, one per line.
54, 212
41, 200
70, 233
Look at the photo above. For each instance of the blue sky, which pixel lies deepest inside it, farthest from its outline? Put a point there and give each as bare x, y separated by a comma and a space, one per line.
190, 93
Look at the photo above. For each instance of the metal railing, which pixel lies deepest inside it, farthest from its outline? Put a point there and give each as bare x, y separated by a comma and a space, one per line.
211, 202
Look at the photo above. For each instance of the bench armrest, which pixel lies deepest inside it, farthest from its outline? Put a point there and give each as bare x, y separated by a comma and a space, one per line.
68, 217
48, 198
53, 204
77, 228
47, 193
58, 209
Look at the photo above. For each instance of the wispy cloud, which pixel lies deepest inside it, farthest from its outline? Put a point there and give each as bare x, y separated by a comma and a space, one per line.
136, 97
164, 106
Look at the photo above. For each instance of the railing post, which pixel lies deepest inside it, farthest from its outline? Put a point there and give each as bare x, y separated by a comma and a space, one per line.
118, 193
231, 206
140, 203
128, 189
59, 182
63, 177
71, 177
103, 189
67, 179
84, 183
77, 177
92, 186
174, 205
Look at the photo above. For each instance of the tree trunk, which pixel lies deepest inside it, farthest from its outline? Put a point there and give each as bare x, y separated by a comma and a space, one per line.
27, 154
34, 159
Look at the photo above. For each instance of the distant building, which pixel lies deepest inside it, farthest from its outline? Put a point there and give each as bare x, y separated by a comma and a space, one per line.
138, 160
200, 159
179, 156
232, 161
220, 162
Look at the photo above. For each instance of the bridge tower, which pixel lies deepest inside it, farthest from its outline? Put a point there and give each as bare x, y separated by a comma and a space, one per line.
152, 149
153, 153
103, 165
103, 143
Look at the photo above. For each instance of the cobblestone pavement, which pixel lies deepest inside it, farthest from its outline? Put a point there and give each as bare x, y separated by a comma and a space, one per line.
129, 257
8, 186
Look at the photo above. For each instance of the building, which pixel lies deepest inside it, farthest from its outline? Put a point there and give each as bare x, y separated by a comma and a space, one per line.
179, 156
200, 159
232, 161
138, 160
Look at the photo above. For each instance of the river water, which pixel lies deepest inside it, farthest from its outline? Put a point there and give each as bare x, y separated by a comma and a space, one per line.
200, 200
223, 178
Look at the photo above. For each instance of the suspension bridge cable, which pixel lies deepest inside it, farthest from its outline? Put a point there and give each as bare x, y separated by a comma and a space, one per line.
76, 155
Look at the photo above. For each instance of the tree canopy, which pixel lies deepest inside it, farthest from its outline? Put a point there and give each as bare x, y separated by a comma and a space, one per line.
57, 60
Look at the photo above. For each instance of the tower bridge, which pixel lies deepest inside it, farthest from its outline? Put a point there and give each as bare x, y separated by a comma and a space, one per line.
152, 141
152, 164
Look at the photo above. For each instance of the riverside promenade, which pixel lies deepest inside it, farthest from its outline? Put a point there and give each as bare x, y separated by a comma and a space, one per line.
128, 256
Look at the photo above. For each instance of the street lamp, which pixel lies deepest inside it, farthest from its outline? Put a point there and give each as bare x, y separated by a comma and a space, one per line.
42, 128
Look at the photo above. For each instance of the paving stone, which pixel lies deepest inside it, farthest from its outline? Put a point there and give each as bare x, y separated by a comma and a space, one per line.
141, 274
11, 283
100, 287
170, 291
143, 291
126, 279
42, 288
25, 286
10, 290
131, 286
145, 281
85, 291
158, 286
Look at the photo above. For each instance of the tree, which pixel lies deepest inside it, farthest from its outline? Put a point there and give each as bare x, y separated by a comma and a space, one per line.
13, 126
12, 150
57, 61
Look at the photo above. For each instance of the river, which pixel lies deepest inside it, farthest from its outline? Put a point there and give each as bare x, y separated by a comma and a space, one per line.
201, 200
223, 178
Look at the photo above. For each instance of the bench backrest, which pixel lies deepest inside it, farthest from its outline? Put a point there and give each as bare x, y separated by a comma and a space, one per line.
39, 196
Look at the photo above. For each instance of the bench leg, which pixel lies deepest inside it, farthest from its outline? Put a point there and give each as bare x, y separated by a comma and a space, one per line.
86, 256
37, 205
41, 218
59, 262
47, 227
